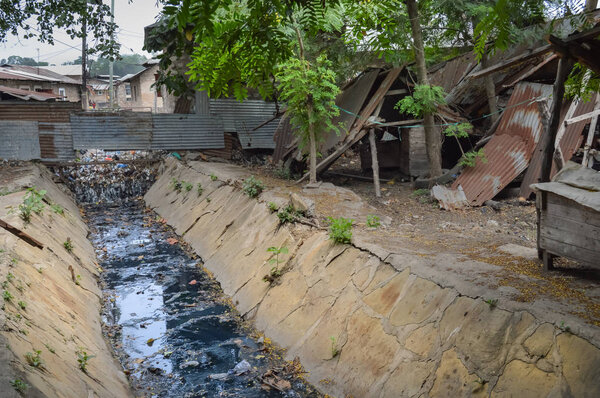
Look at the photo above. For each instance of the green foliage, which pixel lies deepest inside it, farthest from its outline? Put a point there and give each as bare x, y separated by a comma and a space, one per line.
176, 185
288, 214
373, 221
277, 251
34, 359
564, 327
272, 207
123, 65
10, 277
7, 296
19, 385
582, 83
309, 90
283, 172
335, 351
213, 177
83, 358
425, 99
68, 245
58, 209
32, 203
340, 229
459, 130
22, 305
199, 189
188, 186
208, 199
469, 159
253, 187
492, 303
41, 19
421, 192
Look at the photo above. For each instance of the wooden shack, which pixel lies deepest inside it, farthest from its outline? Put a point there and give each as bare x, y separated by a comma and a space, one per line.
568, 211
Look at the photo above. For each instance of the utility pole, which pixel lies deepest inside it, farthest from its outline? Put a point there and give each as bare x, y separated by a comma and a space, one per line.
38, 62
111, 65
84, 102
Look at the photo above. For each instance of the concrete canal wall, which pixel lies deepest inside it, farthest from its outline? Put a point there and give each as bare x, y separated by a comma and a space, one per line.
362, 326
47, 310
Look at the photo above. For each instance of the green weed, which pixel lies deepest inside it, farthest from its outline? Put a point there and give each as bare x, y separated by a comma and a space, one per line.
213, 177
7, 296
22, 305
334, 347
58, 209
83, 358
68, 244
275, 272
32, 203
289, 214
272, 207
176, 185
199, 189
19, 385
340, 229
253, 187
491, 302
373, 221
283, 172
188, 186
10, 277
34, 359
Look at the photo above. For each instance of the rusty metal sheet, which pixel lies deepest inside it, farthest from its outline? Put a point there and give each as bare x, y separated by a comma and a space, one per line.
50, 112
568, 143
509, 151
56, 142
449, 73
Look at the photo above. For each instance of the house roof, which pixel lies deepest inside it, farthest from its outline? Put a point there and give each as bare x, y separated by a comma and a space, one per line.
33, 73
66, 70
28, 95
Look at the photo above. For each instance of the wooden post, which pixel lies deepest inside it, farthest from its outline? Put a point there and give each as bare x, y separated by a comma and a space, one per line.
564, 68
374, 163
590, 137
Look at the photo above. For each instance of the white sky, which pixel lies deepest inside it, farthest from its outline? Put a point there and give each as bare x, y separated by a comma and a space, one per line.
131, 18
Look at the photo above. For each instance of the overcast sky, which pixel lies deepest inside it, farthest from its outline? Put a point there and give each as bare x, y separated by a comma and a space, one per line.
131, 19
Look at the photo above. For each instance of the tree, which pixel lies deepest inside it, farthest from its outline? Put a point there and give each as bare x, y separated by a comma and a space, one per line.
17, 60
40, 19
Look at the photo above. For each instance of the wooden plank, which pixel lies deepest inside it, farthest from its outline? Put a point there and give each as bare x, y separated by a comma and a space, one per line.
569, 224
576, 119
570, 209
357, 132
512, 61
589, 257
397, 92
571, 238
21, 235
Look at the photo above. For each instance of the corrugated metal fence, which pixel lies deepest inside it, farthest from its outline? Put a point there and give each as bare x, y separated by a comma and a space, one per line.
57, 141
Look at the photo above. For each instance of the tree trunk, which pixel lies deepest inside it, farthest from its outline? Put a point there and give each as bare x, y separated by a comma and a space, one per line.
313, 149
490, 90
374, 163
433, 139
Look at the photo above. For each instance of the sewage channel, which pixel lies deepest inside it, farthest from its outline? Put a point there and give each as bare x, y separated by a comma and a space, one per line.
173, 329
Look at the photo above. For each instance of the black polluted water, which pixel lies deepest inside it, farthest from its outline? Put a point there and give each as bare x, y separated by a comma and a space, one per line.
174, 331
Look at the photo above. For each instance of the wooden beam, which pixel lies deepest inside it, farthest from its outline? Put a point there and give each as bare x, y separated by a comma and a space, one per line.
590, 137
397, 92
398, 123
512, 61
357, 132
21, 235
574, 49
580, 118
549, 138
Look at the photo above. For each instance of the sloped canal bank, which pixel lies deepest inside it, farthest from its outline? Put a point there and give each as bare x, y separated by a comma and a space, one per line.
174, 331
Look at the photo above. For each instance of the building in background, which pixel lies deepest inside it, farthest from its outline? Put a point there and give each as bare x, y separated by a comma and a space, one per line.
41, 80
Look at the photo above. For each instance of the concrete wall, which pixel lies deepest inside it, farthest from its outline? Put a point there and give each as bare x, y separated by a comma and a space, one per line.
60, 315
142, 93
398, 334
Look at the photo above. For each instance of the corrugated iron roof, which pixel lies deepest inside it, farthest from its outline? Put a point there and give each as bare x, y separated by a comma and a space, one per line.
35, 73
28, 95
261, 138
509, 151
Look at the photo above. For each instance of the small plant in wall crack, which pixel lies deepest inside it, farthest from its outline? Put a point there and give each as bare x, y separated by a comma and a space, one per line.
275, 271
340, 229
199, 189
19, 385
188, 186
7, 296
22, 305
32, 203
492, 303
289, 214
68, 245
58, 209
253, 187
335, 351
565, 328
373, 221
176, 185
34, 359
213, 177
83, 358
272, 206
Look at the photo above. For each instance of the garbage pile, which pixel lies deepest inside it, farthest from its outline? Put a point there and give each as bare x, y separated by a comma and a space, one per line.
121, 176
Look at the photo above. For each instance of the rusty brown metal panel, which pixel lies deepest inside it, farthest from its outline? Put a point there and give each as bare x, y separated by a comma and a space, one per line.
509, 151
453, 71
569, 143
55, 112
284, 138
47, 148
56, 142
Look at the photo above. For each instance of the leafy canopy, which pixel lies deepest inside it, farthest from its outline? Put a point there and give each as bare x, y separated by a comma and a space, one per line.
425, 99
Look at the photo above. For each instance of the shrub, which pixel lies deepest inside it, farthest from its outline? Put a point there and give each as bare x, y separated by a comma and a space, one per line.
33, 202
83, 358
340, 229
373, 221
288, 214
253, 187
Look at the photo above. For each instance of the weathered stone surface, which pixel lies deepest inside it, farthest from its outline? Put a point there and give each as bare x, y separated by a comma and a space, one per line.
452, 379
367, 353
581, 365
302, 203
422, 340
420, 301
524, 380
407, 379
382, 300
540, 342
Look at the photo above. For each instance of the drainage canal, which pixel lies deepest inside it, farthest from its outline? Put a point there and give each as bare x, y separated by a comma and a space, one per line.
171, 326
